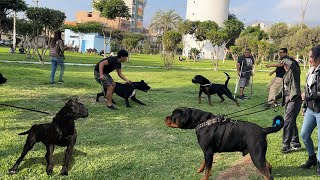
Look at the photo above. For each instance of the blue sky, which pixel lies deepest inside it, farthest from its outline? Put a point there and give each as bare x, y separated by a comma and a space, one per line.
248, 11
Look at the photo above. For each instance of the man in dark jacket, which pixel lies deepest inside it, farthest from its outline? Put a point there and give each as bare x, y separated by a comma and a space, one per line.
291, 100
102, 70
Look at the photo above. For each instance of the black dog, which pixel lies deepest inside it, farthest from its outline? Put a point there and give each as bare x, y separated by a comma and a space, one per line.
2, 79
128, 91
217, 134
208, 88
61, 131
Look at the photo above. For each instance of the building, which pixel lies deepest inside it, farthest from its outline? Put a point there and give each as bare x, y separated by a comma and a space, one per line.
134, 24
204, 10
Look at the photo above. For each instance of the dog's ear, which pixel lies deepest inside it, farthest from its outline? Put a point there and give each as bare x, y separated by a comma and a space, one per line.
142, 81
69, 101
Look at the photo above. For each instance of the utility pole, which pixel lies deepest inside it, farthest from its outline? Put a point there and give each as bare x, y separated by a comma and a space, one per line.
303, 11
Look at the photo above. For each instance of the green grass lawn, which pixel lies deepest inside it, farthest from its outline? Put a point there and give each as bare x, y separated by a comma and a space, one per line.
132, 143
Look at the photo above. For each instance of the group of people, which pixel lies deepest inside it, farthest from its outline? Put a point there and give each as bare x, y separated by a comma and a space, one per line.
285, 85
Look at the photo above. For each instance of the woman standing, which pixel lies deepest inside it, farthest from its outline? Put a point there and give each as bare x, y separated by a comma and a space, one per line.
311, 109
57, 56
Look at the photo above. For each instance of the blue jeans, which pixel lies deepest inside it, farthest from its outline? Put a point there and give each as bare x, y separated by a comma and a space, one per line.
311, 120
55, 61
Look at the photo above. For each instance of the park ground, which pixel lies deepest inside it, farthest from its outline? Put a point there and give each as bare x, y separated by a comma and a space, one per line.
132, 143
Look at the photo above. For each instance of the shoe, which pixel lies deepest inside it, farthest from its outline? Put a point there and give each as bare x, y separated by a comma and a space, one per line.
286, 149
241, 98
60, 81
267, 106
246, 97
312, 161
112, 107
52, 84
296, 147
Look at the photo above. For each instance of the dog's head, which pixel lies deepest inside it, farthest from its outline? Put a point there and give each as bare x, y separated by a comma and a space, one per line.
187, 118
75, 109
198, 79
142, 86
2, 79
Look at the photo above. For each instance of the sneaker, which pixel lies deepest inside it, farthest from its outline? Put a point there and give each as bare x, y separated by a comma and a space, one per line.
112, 107
52, 84
246, 97
267, 106
60, 81
296, 147
286, 149
241, 98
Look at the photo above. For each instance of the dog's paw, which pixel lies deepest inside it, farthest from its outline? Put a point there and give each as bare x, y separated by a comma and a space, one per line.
49, 172
65, 173
12, 171
200, 170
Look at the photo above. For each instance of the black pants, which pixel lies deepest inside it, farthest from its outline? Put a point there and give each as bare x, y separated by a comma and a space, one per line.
290, 129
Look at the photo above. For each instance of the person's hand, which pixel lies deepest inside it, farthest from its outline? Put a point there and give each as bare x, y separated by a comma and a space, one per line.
267, 66
102, 77
271, 73
129, 81
302, 113
303, 95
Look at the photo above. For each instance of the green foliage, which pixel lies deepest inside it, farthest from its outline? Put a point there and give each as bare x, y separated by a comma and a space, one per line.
24, 27
278, 31
112, 9
233, 27
254, 31
171, 39
7, 6
162, 21
217, 37
87, 27
236, 50
203, 28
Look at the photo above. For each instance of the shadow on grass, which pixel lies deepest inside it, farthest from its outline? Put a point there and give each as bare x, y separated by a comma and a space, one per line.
57, 160
292, 172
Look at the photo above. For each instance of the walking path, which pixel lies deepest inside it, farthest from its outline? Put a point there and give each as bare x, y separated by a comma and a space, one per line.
150, 67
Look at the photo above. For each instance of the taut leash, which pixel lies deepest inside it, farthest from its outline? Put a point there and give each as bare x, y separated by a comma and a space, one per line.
24, 108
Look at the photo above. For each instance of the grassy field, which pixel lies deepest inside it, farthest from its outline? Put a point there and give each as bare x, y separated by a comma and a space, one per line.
132, 143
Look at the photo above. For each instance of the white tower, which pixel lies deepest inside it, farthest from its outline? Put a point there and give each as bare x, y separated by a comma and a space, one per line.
204, 10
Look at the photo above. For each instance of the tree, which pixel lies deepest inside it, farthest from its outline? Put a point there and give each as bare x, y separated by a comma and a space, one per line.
255, 31
171, 39
217, 38
8, 6
112, 9
45, 21
131, 41
162, 22
278, 31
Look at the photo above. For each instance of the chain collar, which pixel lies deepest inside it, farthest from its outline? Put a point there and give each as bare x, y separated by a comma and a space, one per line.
206, 84
217, 119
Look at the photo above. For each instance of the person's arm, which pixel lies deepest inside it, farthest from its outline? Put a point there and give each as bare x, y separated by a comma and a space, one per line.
272, 72
122, 76
101, 67
61, 45
274, 65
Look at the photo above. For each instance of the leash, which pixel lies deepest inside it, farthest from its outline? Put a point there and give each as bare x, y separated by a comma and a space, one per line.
24, 108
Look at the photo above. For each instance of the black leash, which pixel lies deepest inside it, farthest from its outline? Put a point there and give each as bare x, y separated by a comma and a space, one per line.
24, 108
248, 108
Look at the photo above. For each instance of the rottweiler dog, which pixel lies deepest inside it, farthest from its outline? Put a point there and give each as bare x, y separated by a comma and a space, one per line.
218, 134
61, 131
127, 91
209, 88
2, 79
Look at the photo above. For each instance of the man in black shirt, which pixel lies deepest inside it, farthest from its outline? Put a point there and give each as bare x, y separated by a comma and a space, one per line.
106, 66
244, 68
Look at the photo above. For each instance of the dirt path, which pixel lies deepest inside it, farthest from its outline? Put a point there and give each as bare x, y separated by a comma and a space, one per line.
241, 170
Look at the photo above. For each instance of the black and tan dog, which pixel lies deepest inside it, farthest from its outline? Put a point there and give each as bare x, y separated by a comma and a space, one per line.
217, 134
2, 79
209, 88
127, 91
61, 131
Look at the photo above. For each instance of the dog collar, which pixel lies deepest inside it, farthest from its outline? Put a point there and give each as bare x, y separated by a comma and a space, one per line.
208, 123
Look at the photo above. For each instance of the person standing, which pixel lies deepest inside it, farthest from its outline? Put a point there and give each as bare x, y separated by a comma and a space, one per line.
311, 109
275, 84
291, 100
244, 68
57, 56
102, 76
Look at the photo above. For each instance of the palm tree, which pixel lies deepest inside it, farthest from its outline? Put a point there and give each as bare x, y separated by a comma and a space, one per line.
162, 22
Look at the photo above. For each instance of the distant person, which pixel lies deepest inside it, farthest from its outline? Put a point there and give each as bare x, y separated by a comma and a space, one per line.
102, 72
291, 100
57, 57
275, 84
21, 50
244, 68
311, 109
12, 49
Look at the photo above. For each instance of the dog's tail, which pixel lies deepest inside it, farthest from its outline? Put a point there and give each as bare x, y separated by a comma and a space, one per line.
24, 133
277, 124
228, 77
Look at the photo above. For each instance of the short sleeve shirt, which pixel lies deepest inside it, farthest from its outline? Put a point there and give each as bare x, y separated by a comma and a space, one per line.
112, 65
246, 64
